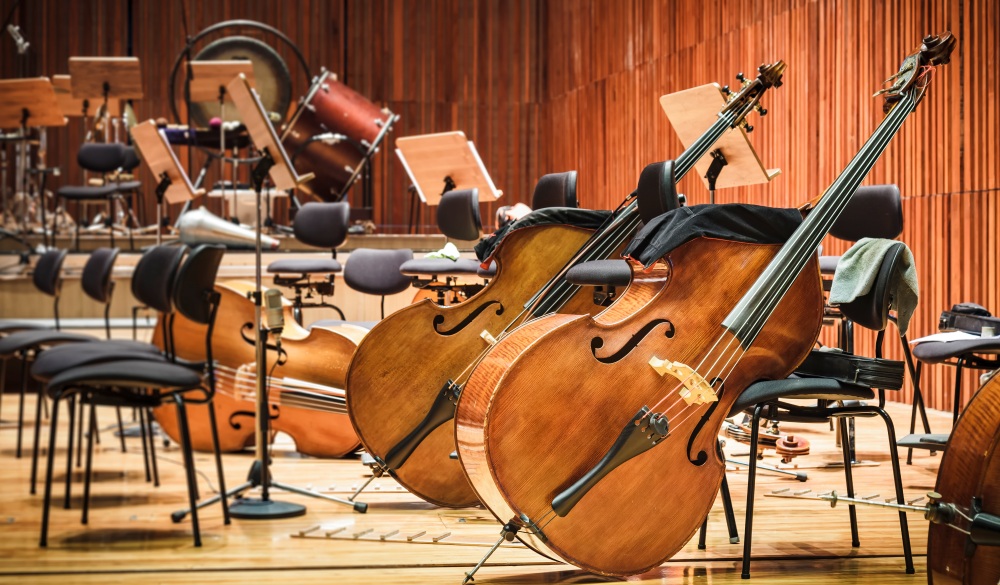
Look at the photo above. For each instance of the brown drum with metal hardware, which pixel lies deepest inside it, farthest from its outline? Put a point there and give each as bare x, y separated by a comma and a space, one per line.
332, 107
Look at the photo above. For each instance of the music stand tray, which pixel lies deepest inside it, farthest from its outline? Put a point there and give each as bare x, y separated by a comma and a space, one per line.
431, 160
29, 102
106, 77
210, 78
691, 111
72, 107
162, 162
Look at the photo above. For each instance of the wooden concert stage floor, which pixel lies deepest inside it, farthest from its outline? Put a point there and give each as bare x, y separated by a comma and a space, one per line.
130, 538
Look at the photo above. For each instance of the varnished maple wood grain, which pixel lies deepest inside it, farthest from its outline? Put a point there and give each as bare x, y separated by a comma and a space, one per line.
539, 438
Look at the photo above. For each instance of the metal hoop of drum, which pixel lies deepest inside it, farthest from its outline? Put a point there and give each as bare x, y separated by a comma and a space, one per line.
352, 126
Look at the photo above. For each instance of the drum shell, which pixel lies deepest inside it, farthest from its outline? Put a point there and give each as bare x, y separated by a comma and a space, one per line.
332, 165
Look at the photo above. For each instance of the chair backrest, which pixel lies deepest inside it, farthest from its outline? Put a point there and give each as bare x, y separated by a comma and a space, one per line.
555, 190
872, 309
376, 272
323, 225
130, 158
96, 280
458, 214
195, 282
656, 192
875, 211
154, 276
101, 157
47, 275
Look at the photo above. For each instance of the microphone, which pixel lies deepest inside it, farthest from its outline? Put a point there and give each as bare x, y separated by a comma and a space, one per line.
273, 314
22, 45
329, 138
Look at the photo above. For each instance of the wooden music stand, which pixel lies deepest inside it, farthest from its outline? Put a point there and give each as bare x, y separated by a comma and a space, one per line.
106, 77
72, 107
437, 163
210, 78
691, 111
174, 184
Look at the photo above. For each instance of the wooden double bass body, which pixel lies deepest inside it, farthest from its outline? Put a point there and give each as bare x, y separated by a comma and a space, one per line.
970, 468
311, 410
404, 361
529, 425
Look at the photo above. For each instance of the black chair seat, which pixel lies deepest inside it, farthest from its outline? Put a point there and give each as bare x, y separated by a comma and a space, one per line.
336, 323
828, 265
128, 372
935, 352
11, 326
305, 266
929, 441
799, 388
88, 191
600, 272
65, 357
488, 272
439, 267
35, 337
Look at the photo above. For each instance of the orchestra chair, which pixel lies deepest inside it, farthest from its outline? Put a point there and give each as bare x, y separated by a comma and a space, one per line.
153, 285
47, 278
555, 190
104, 158
830, 398
373, 272
97, 283
140, 383
321, 225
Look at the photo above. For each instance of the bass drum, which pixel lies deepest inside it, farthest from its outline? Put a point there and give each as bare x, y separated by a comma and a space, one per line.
330, 106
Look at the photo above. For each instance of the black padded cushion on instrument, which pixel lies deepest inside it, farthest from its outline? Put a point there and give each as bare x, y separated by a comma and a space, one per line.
322, 225
555, 190
583, 218
600, 273
96, 279
656, 192
47, 270
154, 276
88, 191
738, 222
376, 272
458, 214
875, 211
872, 309
101, 157
38, 337
128, 373
195, 282
935, 352
305, 266
439, 267
799, 388
53, 361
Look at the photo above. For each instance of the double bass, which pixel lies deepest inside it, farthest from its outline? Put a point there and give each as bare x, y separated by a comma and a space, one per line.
407, 374
306, 397
593, 439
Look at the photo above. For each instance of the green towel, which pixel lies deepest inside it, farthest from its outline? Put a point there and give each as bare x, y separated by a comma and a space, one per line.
858, 268
450, 251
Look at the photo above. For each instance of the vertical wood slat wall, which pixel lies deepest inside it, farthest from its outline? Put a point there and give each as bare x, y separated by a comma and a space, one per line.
553, 85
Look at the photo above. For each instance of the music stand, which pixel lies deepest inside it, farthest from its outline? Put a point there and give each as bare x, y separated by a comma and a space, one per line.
273, 163
174, 184
692, 110
438, 163
208, 83
23, 102
105, 78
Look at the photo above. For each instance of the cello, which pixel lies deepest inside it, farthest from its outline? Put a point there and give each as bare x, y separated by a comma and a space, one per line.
407, 374
593, 439
305, 398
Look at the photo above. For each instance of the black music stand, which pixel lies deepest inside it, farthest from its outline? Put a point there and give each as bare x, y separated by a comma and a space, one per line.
438, 163
25, 102
273, 163
174, 185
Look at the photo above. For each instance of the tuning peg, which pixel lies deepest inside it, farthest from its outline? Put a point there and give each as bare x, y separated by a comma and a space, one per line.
726, 90
740, 78
761, 110
748, 128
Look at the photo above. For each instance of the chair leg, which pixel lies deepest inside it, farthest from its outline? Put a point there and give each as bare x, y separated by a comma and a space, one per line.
35, 447
71, 409
90, 461
702, 534
727, 507
897, 479
751, 480
20, 407
121, 428
956, 405
152, 447
845, 448
145, 447
218, 462
185, 437
50, 464
79, 435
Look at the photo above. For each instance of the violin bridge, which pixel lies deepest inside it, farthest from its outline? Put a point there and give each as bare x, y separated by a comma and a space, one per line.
488, 338
695, 389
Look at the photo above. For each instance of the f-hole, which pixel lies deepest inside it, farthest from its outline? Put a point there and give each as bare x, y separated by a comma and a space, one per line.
597, 342
702, 457
439, 319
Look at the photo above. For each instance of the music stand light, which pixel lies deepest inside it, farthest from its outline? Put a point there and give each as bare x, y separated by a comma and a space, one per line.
174, 184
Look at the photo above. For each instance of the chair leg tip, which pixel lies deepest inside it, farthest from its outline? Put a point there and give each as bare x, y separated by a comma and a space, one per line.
744, 575
856, 543
734, 540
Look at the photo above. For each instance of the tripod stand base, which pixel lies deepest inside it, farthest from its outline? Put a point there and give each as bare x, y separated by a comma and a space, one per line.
258, 509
